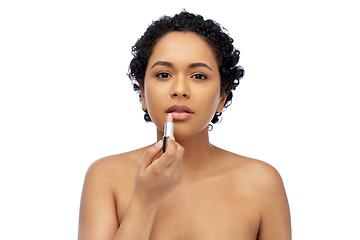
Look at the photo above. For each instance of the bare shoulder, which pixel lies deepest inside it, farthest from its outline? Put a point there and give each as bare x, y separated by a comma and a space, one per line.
263, 174
258, 175
111, 166
108, 171
104, 178
253, 167
263, 184
109, 175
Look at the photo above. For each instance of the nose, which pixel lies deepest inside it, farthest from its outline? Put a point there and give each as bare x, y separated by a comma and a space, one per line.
180, 88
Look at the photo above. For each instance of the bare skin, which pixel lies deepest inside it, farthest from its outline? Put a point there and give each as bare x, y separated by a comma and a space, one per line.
195, 190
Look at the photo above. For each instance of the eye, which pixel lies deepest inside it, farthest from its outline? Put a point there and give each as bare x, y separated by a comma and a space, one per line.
199, 76
163, 75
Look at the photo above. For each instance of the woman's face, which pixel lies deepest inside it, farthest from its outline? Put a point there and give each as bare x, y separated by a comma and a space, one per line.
182, 75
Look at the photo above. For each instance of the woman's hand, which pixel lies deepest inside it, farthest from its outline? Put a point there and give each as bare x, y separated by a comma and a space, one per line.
157, 178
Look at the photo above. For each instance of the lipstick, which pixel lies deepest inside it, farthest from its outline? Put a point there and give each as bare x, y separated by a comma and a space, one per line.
168, 130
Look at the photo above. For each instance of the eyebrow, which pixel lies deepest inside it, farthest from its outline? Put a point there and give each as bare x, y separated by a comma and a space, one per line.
162, 63
194, 65
169, 64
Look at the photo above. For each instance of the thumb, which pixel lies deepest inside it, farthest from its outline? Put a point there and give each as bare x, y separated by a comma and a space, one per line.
149, 155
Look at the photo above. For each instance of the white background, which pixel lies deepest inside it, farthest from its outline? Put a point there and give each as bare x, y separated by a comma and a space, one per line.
65, 101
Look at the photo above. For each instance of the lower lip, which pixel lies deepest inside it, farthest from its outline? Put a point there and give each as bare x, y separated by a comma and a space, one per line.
181, 116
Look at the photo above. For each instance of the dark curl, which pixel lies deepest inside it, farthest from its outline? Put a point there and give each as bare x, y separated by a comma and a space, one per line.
216, 36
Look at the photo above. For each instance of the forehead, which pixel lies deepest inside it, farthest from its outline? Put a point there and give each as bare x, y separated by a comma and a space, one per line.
183, 47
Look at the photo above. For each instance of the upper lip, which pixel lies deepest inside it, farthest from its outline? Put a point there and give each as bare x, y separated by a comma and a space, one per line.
179, 108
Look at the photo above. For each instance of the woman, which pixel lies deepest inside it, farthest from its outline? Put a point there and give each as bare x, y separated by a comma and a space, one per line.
184, 69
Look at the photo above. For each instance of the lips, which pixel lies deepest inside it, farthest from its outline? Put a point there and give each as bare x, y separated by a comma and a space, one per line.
180, 112
179, 109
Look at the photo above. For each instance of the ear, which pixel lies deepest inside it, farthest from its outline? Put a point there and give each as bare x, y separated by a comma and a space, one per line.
220, 106
143, 101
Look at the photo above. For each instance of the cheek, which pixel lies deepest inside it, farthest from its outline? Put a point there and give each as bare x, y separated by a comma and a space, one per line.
208, 100
154, 101
212, 95
154, 92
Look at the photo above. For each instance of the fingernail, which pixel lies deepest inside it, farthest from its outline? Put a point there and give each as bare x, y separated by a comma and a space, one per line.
172, 138
158, 144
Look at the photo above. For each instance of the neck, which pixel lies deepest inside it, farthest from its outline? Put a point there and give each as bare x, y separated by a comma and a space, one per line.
198, 155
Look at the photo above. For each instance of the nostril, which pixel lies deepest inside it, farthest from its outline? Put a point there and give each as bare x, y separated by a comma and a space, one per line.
174, 94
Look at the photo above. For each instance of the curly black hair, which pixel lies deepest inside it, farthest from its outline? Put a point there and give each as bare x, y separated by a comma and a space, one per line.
227, 56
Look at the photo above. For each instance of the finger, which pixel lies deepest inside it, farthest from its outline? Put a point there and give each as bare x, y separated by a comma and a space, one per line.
166, 159
178, 157
149, 155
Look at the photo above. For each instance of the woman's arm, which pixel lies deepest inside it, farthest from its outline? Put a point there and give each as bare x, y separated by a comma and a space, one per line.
98, 218
275, 213
154, 180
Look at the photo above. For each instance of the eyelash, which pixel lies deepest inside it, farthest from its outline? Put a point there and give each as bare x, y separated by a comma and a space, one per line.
202, 76
195, 76
162, 73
